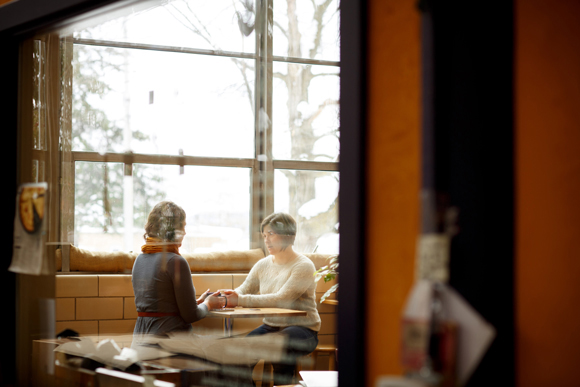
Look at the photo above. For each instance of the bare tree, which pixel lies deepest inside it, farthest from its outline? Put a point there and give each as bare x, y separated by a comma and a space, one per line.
297, 79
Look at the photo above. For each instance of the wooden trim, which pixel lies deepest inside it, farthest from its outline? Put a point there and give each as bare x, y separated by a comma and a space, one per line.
139, 158
25, 115
305, 61
306, 165
53, 162
65, 251
67, 172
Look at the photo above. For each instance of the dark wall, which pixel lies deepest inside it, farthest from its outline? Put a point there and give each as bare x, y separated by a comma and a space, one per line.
352, 182
8, 92
473, 162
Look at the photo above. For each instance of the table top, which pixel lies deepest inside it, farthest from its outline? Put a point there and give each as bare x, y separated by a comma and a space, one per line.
239, 312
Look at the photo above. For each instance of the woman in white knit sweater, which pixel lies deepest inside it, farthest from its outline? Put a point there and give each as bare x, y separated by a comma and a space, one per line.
283, 279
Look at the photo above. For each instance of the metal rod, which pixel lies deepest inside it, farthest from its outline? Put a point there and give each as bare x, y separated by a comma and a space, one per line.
156, 47
201, 51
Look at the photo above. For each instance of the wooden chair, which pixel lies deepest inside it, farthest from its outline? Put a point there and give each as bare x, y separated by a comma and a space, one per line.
310, 360
267, 379
331, 350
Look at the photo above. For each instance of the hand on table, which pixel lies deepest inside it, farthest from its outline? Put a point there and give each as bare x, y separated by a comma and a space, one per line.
214, 302
203, 297
231, 296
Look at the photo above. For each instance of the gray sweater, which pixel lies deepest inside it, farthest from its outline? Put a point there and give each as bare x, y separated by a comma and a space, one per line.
289, 286
162, 283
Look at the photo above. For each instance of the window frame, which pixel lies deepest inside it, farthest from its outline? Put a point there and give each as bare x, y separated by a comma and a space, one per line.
262, 168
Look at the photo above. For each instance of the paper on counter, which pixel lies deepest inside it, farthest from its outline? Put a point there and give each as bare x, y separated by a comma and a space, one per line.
320, 378
109, 353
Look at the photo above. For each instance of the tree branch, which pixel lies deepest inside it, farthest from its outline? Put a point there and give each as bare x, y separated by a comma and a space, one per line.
242, 66
198, 28
276, 24
319, 12
318, 111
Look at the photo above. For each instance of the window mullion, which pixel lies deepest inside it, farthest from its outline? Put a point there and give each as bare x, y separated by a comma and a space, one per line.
263, 175
67, 177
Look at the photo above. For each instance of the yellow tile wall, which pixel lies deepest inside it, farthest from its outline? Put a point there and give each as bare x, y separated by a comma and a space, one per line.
65, 309
202, 282
238, 279
115, 286
105, 308
129, 308
77, 286
327, 339
328, 326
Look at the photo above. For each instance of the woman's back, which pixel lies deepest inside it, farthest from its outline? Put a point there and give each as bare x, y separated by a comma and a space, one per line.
162, 284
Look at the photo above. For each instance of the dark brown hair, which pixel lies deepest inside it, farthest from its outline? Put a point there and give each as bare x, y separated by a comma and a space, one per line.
163, 220
282, 224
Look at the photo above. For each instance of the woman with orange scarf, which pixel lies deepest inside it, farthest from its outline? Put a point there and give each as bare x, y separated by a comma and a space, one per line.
164, 291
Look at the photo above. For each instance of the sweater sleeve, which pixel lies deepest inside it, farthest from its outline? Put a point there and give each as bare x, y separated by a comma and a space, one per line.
251, 285
300, 280
184, 291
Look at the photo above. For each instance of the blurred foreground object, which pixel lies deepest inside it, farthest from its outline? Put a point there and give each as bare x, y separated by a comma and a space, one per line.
443, 337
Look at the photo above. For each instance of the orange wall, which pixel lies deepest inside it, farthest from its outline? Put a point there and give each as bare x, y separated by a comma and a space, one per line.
547, 112
547, 157
393, 167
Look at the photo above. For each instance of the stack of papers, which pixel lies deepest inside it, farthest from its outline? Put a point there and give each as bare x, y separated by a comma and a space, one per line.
319, 378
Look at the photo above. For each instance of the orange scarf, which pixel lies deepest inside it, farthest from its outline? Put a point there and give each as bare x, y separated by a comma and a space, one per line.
155, 245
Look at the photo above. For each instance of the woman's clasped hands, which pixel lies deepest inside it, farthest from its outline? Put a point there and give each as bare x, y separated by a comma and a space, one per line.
211, 299
231, 297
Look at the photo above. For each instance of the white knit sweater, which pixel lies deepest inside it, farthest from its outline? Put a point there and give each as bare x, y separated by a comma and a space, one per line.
289, 286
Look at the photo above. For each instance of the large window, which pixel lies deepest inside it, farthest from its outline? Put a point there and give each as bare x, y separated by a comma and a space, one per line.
230, 109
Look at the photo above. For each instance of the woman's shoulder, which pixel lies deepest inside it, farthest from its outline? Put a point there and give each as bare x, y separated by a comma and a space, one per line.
303, 261
160, 257
267, 260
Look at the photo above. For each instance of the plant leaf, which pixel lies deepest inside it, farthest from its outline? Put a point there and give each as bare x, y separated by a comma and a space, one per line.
332, 289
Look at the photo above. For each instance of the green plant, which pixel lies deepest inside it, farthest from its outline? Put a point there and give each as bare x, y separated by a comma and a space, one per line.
328, 272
